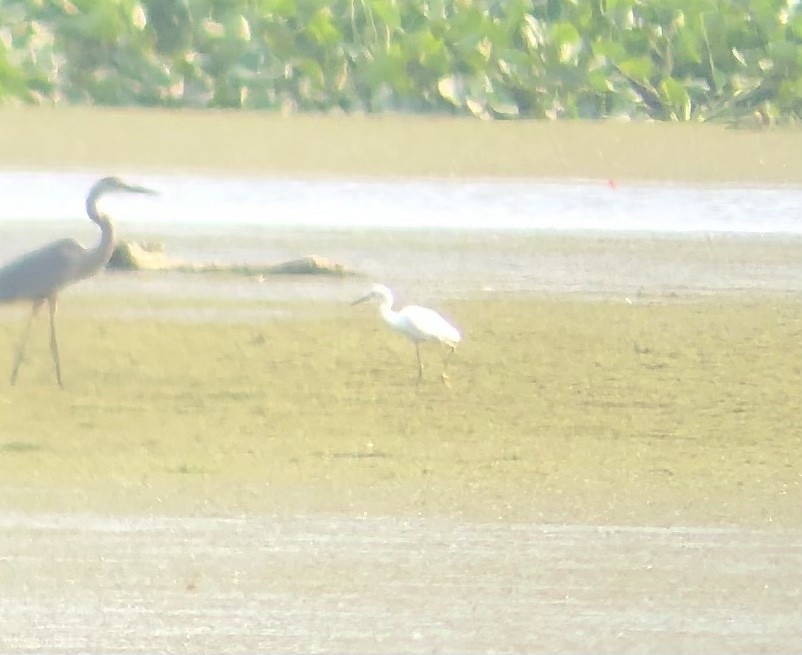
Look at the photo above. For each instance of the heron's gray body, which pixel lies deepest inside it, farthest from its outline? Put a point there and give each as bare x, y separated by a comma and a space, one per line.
40, 275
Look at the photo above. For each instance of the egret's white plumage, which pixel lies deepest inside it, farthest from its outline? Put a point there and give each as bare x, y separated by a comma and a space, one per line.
417, 323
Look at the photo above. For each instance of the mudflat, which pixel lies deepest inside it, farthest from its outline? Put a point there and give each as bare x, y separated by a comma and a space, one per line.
607, 411
614, 465
559, 410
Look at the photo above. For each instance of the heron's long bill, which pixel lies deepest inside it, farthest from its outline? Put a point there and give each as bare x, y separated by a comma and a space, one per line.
133, 188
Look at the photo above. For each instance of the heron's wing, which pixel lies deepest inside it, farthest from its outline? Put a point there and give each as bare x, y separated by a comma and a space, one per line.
428, 324
38, 274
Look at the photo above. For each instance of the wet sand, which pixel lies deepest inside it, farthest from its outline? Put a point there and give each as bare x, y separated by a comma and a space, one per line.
249, 467
83, 583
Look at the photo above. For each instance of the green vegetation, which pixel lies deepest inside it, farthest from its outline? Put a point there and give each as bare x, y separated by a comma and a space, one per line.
559, 409
663, 59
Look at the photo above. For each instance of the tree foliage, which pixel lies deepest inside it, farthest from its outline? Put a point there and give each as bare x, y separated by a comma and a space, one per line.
661, 59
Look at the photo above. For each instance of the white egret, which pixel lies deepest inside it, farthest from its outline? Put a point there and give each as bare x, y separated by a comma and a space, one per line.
419, 324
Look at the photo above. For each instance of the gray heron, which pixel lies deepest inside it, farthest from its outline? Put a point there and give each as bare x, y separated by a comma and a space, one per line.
39, 276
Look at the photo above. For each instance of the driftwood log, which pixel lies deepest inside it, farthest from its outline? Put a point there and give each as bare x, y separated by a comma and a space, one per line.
131, 256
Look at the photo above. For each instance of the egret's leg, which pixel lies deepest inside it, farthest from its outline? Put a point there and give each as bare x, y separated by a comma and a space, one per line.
51, 303
420, 363
444, 375
20, 354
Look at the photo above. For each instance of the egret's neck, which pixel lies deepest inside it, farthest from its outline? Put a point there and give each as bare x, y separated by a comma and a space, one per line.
386, 310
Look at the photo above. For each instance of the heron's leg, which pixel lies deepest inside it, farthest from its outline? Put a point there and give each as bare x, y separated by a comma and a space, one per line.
420, 363
51, 303
444, 375
20, 354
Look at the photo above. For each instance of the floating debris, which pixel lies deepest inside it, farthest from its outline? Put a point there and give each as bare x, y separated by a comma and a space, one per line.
144, 256
150, 256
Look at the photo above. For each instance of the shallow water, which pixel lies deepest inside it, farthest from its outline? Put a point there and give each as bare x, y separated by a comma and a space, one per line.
429, 266
316, 583
512, 236
194, 203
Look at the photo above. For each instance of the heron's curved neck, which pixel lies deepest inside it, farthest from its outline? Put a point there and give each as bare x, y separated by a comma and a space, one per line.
100, 256
91, 207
